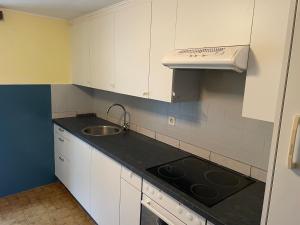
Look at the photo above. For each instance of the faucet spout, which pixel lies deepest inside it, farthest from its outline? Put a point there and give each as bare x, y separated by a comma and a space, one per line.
125, 124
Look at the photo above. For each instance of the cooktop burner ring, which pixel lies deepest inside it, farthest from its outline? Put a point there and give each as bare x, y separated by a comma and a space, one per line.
222, 178
171, 172
204, 191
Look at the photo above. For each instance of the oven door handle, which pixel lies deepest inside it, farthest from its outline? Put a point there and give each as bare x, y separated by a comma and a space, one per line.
151, 206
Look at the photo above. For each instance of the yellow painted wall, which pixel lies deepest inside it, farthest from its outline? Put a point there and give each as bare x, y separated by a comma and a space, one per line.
34, 49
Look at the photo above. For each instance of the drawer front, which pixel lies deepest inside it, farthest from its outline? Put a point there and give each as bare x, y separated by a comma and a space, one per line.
62, 169
132, 178
61, 131
61, 145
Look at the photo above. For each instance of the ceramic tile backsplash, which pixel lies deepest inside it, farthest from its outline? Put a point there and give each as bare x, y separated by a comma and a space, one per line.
203, 153
168, 140
57, 115
146, 132
231, 164
69, 99
258, 174
213, 124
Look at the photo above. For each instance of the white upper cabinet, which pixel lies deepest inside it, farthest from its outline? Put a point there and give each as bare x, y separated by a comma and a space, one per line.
132, 47
102, 51
81, 73
162, 41
270, 41
206, 23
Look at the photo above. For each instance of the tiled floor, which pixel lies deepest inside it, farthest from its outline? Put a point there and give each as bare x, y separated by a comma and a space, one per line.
47, 205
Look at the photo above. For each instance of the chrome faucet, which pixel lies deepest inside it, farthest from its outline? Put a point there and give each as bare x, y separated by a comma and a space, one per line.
125, 124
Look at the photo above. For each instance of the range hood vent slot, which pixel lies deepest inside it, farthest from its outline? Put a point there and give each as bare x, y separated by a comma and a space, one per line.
218, 58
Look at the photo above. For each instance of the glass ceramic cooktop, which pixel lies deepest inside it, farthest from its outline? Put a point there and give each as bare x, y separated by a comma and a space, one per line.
202, 180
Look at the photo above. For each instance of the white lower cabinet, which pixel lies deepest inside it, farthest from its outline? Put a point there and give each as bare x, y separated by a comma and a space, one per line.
79, 175
130, 205
105, 189
61, 169
72, 166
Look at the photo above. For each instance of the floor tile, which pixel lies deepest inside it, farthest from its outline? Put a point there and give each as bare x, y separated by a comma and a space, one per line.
47, 205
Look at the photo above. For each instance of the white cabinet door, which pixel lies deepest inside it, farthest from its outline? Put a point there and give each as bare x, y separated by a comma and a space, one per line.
130, 205
105, 189
132, 47
203, 23
79, 175
162, 41
81, 73
267, 59
62, 168
102, 51
284, 200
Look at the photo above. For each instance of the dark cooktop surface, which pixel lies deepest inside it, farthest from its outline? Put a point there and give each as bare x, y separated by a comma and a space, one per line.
202, 180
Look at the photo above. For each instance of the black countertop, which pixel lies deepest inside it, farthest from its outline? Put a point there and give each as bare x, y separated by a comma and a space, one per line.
138, 153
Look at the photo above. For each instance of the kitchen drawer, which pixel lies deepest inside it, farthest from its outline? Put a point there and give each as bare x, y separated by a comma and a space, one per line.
61, 131
61, 145
62, 169
132, 178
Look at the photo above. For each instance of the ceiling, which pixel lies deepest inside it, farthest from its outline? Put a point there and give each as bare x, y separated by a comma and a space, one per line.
66, 9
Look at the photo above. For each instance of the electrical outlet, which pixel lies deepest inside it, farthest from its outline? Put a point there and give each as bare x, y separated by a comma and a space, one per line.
172, 120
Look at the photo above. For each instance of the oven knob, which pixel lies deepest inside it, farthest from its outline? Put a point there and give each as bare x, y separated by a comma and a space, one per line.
189, 217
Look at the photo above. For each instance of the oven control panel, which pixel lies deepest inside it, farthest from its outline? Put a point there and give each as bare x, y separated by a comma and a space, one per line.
173, 206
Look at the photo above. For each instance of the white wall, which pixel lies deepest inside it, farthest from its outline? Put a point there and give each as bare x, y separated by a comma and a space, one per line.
214, 123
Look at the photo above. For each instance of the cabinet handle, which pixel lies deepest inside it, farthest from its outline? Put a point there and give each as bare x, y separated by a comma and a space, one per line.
61, 130
60, 139
61, 159
291, 164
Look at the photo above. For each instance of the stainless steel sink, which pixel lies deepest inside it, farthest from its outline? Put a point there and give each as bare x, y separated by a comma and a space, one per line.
101, 130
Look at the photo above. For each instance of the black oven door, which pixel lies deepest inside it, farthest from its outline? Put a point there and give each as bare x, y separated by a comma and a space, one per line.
149, 218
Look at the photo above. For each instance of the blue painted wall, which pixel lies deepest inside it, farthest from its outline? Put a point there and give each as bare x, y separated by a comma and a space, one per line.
26, 138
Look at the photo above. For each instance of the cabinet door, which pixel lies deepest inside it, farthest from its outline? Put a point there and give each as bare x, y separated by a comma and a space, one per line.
102, 51
62, 168
130, 206
162, 41
105, 189
267, 59
81, 73
79, 175
284, 198
132, 47
204, 23
61, 148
